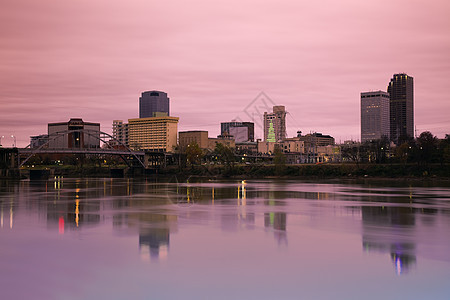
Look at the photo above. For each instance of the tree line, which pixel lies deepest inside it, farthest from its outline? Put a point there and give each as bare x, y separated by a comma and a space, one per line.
423, 150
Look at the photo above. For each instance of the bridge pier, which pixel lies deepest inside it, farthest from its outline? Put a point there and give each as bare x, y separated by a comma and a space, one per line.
39, 174
117, 173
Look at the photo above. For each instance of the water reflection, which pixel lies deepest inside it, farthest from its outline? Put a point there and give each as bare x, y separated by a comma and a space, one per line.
391, 230
394, 221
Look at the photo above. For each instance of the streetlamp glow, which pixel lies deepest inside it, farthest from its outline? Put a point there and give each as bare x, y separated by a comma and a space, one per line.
14, 137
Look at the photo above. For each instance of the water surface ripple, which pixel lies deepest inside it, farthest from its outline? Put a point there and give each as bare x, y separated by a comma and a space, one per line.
201, 239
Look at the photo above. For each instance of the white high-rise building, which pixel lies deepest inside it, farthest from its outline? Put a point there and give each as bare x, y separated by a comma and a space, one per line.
374, 115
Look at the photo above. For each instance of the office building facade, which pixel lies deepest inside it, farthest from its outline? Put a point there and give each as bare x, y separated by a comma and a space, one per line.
153, 102
200, 137
233, 128
401, 106
157, 134
316, 139
120, 133
375, 122
240, 134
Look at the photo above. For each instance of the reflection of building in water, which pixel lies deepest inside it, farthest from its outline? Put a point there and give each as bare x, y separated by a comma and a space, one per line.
235, 196
73, 205
277, 221
154, 241
389, 229
193, 193
8, 205
154, 229
401, 258
73, 213
280, 195
6, 214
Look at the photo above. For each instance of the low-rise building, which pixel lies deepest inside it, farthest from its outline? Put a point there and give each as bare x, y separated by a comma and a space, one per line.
74, 134
226, 142
316, 139
39, 141
293, 145
195, 136
265, 147
203, 141
247, 148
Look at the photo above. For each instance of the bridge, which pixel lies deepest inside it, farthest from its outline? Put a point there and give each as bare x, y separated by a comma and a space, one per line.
124, 152
79, 151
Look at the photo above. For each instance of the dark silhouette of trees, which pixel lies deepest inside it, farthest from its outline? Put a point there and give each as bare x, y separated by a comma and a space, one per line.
427, 146
444, 150
194, 154
224, 154
402, 151
279, 160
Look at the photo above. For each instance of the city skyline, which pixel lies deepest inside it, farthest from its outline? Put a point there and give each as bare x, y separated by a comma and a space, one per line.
92, 60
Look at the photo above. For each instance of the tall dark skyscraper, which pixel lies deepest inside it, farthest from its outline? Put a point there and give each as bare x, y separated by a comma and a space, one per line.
152, 102
401, 107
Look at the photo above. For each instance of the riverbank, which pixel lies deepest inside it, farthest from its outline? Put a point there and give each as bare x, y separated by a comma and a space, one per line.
310, 171
316, 171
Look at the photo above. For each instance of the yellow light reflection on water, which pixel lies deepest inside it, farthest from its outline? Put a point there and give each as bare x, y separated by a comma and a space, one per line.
238, 194
242, 194
11, 215
77, 211
188, 194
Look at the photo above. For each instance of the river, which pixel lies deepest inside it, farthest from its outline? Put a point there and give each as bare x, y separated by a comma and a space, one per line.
177, 238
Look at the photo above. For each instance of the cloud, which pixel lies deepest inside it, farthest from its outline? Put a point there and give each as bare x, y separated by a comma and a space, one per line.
92, 59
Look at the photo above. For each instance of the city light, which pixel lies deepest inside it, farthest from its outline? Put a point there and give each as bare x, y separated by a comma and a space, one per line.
77, 211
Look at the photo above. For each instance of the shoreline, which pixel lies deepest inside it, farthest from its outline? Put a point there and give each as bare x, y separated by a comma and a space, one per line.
393, 172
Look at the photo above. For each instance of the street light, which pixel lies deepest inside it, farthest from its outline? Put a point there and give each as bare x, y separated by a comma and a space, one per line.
13, 136
1, 139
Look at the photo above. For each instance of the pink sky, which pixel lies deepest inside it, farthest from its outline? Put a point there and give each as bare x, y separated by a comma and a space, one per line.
92, 59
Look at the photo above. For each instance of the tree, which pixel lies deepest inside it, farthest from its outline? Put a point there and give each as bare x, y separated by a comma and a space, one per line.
224, 153
446, 154
427, 145
193, 153
351, 153
377, 150
444, 149
401, 152
279, 160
